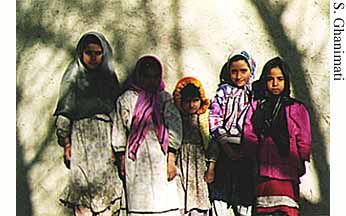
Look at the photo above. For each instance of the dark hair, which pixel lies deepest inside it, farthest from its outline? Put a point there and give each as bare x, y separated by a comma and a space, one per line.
144, 68
190, 91
148, 64
91, 39
259, 86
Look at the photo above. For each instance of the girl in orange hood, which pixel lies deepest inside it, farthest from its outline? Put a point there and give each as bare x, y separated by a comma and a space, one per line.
190, 99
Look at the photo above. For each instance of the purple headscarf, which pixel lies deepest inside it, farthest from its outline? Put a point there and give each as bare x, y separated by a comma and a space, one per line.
147, 108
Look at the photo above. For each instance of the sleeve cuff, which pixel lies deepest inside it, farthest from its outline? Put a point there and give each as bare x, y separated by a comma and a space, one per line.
173, 150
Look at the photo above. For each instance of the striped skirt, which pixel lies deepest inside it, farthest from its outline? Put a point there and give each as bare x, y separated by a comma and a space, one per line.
277, 196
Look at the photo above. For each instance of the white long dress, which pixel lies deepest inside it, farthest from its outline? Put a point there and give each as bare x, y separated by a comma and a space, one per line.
147, 188
191, 162
93, 182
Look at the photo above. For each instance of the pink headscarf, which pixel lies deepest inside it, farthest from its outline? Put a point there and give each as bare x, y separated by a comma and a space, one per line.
147, 108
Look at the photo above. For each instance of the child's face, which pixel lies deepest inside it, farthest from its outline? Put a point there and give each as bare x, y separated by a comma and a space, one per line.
275, 81
239, 73
191, 105
92, 55
149, 79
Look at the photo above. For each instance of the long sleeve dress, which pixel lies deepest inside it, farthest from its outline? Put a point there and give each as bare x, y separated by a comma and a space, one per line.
191, 162
232, 191
148, 190
83, 115
234, 179
278, 174
277, 132
93, 180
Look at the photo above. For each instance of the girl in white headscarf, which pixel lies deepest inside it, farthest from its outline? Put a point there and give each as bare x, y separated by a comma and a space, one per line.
231, 176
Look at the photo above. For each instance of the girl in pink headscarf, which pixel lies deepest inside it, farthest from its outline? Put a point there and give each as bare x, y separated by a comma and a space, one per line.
147, 133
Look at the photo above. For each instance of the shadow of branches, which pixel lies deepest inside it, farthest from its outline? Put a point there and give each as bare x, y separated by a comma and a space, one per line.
23, 190
177, 38
271, 14
32, 29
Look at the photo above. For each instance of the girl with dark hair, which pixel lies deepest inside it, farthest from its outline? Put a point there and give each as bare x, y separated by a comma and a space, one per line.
88, 92
277, 132
193, 105
230, 174
147, 135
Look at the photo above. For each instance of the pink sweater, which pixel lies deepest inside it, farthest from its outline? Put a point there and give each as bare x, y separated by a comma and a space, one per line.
271, 164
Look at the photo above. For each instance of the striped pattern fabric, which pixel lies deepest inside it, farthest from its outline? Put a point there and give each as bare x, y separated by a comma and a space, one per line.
228, 110
277, 195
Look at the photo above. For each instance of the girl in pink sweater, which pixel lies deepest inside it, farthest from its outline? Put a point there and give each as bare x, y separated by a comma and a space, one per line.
277, 132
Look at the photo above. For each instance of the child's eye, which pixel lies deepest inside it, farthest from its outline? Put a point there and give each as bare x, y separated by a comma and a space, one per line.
91, 53
269, 78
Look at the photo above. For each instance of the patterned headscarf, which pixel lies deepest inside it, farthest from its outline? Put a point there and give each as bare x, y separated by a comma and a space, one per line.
230, 104
224, 75
147, 109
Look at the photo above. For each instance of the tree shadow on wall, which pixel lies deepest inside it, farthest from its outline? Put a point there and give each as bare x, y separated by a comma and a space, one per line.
30, 33
177, 43
126, 54
23, 189
150, 40
271, 16
31, 30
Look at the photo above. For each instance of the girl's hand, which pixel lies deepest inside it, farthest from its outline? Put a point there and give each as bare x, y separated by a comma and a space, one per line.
67, 153
209, 175
172, 171
171, 168
113, 156
122, 165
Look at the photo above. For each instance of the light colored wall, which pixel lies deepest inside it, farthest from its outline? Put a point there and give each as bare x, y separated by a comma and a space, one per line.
192, 38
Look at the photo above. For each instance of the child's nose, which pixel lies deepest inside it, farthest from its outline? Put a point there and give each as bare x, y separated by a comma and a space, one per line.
238, 75
93, 55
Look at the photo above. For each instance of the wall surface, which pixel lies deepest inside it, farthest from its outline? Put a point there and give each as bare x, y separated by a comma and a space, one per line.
192, 38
